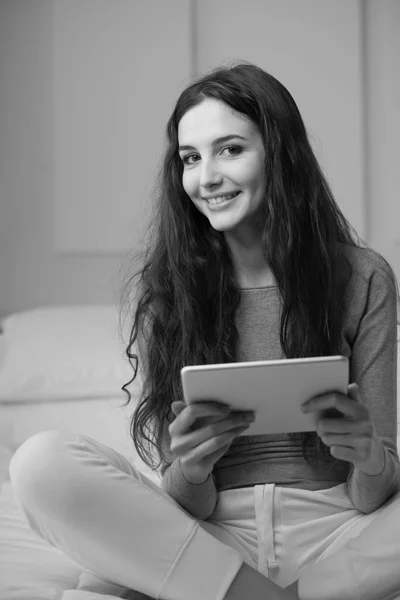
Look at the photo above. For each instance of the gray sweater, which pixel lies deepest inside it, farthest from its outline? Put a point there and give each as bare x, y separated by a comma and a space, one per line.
369, 340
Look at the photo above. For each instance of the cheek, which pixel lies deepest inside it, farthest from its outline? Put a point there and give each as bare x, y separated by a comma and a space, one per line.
251, 175
188, 182
258, 184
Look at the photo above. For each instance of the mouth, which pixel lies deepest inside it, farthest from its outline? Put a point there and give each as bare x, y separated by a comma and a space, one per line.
215, 200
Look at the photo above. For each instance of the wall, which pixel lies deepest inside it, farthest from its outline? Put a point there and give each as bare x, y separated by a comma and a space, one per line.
85, 91
32, 273
298, 43
382, 99
54, 163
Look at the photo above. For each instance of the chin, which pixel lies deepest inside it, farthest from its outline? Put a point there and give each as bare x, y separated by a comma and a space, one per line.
223, 227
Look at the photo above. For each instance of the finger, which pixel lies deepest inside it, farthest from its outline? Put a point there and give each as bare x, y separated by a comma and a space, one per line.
177, 407
353, 391
185, 442
344, 453
192, 412
212, 458
332, 439
341, 426
208, 420
214, 444
340, 402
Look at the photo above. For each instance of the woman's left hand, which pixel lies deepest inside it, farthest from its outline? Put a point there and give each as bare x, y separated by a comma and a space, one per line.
352, 436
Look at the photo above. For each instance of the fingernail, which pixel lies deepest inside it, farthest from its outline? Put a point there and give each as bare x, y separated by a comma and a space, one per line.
243, 428
250, 417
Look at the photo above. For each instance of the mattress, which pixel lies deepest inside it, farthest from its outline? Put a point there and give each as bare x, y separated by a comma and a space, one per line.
74, 386
105, 419
61, 367
31, 569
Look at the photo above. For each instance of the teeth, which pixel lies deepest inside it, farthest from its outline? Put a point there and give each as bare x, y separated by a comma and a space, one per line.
219, 199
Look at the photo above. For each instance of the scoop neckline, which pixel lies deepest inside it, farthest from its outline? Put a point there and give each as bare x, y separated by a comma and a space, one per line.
257, 289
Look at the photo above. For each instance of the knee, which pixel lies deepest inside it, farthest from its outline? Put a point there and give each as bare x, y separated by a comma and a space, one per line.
37, 462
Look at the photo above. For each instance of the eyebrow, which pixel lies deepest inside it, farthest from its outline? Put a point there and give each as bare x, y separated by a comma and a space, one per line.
220, 140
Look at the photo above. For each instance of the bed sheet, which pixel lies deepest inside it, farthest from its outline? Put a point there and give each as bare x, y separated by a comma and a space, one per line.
97, 417
31, 569
104, 419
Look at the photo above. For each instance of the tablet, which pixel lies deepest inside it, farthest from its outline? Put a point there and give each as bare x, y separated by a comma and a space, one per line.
274, 389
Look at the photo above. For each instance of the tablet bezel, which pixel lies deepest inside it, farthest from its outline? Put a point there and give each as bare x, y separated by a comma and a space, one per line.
290, 383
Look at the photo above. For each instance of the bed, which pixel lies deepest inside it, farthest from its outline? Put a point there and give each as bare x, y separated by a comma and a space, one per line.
60, 367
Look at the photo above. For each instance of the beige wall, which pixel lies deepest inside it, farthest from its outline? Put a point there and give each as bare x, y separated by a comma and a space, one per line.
31, 272
85, 90
382, 86
45, 261
314, 48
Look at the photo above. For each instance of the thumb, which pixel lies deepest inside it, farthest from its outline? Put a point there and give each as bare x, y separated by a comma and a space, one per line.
177, 407
354, 392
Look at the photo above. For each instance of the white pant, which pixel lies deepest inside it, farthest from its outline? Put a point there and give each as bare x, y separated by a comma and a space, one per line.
90, 502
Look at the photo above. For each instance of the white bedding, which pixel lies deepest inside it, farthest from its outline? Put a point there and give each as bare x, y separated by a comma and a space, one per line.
30, 569
60, 367
104, 419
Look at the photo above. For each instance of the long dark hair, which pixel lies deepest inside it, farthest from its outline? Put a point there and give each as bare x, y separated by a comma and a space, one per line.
186, 293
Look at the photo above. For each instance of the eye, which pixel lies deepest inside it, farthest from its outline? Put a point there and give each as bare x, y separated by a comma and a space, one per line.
232, 150
190, 159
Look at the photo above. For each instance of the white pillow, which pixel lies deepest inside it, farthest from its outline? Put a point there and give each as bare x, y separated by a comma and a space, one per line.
61, 352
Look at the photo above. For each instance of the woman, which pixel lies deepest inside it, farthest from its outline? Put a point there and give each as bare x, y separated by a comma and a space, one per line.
250, 259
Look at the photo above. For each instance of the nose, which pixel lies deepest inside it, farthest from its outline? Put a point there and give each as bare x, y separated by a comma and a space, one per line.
210, 175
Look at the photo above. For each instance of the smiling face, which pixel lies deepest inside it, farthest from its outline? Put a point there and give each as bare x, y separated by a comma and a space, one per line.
223, 158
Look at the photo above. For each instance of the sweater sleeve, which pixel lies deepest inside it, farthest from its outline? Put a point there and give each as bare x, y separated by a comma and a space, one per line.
373, 366
197, 499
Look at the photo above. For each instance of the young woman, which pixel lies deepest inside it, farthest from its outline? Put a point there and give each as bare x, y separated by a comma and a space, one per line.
250, 258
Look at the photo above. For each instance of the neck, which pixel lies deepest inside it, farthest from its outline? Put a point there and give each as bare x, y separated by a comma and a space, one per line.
260, 279
251, 268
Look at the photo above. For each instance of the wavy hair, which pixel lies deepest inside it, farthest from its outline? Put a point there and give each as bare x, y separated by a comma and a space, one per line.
186, 293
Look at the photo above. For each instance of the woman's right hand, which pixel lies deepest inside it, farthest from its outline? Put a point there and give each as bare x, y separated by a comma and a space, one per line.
201, 433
